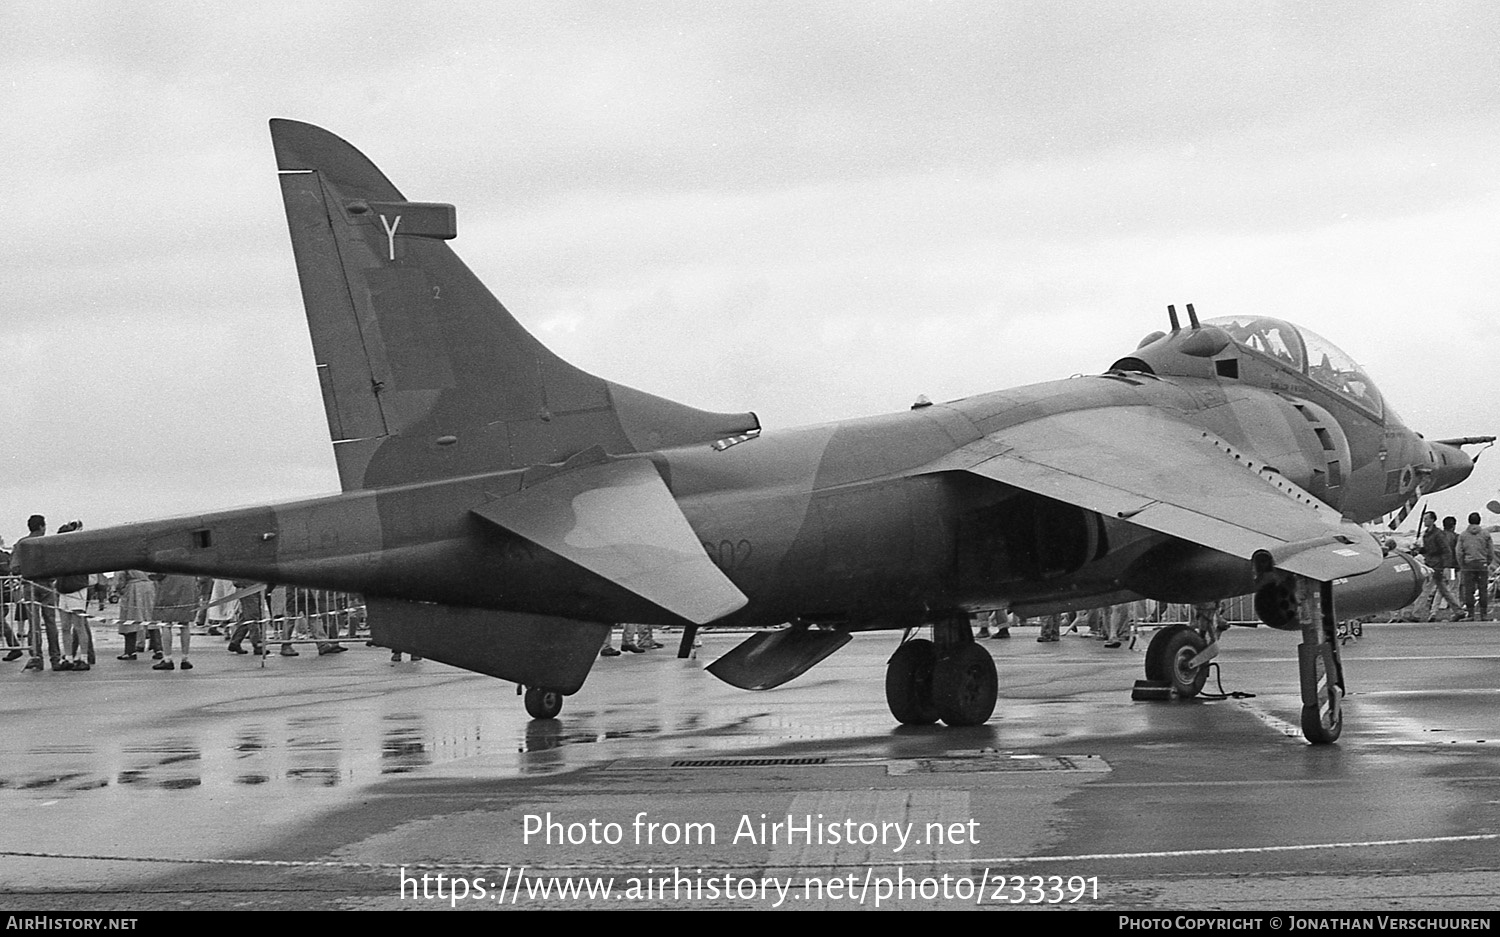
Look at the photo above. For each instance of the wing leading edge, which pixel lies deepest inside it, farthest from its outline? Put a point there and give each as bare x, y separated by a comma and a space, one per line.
1191, 484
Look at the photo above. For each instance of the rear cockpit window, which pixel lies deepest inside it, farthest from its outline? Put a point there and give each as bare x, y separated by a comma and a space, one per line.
1336, 371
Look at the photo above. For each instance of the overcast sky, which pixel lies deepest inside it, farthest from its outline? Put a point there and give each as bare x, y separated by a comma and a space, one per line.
814, 211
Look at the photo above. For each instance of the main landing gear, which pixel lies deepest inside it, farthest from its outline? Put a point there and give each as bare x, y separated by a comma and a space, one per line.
949, 678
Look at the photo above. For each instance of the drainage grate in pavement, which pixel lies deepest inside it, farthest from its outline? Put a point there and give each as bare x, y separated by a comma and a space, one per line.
747, 762
992, 764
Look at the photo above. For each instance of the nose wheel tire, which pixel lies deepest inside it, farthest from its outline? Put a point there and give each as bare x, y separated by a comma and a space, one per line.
543, 703
908, 683
965, 686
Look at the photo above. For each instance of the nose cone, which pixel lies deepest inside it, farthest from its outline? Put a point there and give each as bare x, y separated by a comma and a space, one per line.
1451, 465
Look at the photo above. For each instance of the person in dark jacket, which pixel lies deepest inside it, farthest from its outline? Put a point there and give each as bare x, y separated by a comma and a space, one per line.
1437, 553
39, 602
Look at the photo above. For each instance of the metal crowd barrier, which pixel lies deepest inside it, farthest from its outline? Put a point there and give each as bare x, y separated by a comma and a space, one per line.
294, 615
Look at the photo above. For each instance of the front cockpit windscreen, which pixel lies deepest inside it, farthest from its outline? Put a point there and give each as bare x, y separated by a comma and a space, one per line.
1305, 351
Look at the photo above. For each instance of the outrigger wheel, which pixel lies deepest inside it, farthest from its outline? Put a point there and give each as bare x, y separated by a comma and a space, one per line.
543, 703
1321, 731
1292, 602
1168, 657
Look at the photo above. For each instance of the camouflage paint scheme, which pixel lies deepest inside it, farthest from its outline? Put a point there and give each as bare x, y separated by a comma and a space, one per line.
501, 508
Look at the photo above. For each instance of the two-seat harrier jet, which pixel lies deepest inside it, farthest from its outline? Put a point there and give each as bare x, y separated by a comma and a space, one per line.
501, 509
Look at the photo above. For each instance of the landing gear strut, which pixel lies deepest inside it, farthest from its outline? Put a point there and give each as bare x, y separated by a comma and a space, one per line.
949, 678
1290, 602
1318, 663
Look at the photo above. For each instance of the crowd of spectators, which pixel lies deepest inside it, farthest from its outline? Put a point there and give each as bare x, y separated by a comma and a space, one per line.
1461, 559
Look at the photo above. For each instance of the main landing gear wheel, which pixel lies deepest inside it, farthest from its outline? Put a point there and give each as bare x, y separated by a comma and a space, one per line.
1167, 660
908, 683
965, 686
543, 703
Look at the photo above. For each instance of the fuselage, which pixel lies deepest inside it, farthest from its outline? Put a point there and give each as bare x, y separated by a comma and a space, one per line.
842, 523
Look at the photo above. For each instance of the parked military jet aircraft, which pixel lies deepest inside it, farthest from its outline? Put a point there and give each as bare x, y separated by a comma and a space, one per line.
501, 508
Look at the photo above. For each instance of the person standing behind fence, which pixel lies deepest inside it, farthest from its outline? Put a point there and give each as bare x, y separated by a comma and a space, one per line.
137, 605
205, 592
276, 604
1476, 554
73, 603
252, 622
1121, 619
220, 615
98, 590
314, 604
176, 609
7, 633
300, 605
39, 611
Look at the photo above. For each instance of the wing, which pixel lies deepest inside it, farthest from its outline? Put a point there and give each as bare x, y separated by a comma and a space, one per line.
619, 520
1141, 465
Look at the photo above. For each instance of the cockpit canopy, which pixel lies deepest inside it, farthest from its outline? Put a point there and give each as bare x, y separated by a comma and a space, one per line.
1305, 352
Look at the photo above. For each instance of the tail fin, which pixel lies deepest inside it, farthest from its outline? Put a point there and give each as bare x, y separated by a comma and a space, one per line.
424, 373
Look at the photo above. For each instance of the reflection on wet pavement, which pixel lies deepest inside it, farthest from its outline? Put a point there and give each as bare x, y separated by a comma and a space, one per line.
297, 750
329, 750
304, 739
283, 762
322, 750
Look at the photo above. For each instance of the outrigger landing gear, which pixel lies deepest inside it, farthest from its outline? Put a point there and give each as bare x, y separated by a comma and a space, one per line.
1318, 663
1289, 602
949, 678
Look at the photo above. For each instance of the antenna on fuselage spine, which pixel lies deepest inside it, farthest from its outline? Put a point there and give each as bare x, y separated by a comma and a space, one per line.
1193, 316
1172, 314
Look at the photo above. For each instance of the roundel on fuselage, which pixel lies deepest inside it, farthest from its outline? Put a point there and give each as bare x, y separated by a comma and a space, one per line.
1305, 352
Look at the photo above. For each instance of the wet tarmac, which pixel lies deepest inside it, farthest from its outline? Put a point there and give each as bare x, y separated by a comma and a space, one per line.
312, 782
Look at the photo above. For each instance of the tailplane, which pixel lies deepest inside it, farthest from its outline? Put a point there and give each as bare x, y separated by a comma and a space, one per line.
424, 373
